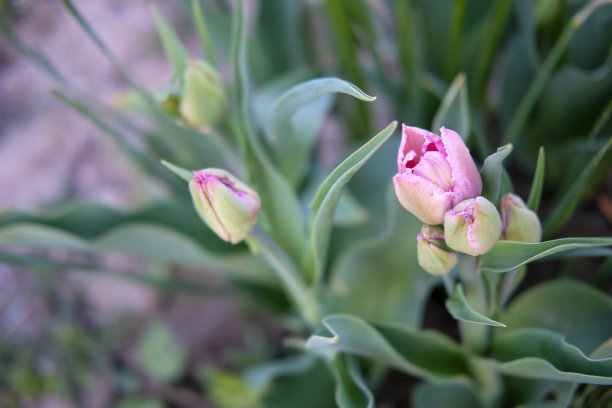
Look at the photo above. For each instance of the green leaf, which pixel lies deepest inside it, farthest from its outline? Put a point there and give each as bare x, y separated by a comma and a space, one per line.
151, 242
507, 255
171, 42
580, 312
542, 354
428, 395
422, 353
399, 289
454, 112
460, 309
299, 95
179, 171
535, 194
328, 195
228, 390
160, 354
566, 204
351, 388
202, 28
139, 402
491, 172
262, 376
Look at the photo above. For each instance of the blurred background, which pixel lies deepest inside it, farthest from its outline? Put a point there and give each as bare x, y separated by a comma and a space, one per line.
91, 338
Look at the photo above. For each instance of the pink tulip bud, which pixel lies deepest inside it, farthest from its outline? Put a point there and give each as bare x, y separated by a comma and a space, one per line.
472, 226
435, 173
519, 223
432, 252
227, 205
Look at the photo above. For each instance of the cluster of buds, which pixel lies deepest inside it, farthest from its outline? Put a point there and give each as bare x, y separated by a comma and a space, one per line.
439, 183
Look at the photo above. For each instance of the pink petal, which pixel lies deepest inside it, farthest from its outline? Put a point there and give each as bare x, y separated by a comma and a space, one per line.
465, 177
422, 198
412, 140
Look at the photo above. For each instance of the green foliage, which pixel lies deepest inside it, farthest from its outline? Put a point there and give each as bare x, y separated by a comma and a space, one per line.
160, 353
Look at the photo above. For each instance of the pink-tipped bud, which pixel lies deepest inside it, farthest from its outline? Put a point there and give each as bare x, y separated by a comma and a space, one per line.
473, 226
518, 221
432, 252
435, 173
227, 205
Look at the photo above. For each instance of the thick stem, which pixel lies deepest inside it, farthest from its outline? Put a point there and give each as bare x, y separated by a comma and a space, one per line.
475, 336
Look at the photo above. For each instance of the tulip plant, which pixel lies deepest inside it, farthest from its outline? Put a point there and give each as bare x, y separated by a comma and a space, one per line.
351, 257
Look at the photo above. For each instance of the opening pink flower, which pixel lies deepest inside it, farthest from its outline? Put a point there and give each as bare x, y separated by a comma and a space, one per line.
435, 173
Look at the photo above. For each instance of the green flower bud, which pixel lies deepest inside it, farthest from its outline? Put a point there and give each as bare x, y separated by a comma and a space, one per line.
432, 252
204, 101
473, 226
518, 221
227, 205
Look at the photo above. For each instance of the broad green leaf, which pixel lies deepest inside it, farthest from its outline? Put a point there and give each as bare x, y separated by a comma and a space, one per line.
164, 283
351, 388
578, 311
491, 172
422, 353
139, 402
507, 255
566, 204
460, 309
228, 390
543, 354
454, 112
295, 148
429, 395
398, 290
160, 353
179, 171
326, 199
171, 42
298, 96
313, 388
205, 40
148, 241
262, 376
535, 194
280, 208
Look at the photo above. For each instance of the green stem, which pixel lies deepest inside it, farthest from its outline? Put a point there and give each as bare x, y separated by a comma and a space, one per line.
475, 336
544, 73
302, 297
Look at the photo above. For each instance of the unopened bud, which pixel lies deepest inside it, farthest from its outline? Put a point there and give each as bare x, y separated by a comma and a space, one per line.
432, 252
518, 221
204, 100
226, 204
473, 226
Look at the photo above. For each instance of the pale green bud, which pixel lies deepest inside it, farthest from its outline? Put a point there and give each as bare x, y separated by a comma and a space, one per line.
227, 205
518, 221
473, 226
432, 252
204, 100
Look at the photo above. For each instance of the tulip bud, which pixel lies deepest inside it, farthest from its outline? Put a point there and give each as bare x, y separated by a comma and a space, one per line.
226, 204
518, 221
432, 252
472, 226
434, 173
204, 101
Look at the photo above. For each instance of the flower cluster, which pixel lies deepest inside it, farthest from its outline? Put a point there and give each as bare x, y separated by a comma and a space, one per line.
438, 182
